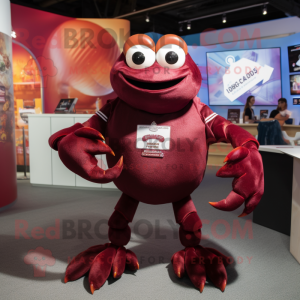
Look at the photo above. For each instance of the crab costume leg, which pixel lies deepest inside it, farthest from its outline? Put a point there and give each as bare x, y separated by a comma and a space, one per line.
112, 258
194, 260
244, 163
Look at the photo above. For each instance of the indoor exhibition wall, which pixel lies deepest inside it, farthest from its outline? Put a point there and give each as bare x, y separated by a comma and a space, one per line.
66, 57
57, 57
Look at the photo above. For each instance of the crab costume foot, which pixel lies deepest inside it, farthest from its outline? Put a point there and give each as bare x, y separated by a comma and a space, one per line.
112, 258
101, 261
200, 263
197, 262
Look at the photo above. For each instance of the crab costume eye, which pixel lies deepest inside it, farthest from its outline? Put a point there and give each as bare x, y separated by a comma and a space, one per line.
139, 51
171, 56
140, 57
171, 51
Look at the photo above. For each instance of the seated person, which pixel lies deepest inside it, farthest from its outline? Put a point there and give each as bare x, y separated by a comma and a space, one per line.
248, 115
281, 113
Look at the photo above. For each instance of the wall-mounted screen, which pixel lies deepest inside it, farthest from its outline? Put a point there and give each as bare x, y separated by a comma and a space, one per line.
235, 75
294, 58
295, 84
296, 101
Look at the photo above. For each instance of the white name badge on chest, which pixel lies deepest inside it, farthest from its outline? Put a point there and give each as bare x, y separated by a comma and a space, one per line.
153, 137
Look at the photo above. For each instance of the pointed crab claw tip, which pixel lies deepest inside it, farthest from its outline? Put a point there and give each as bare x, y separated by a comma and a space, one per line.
66, 279
120, 163
178, 273
201, 287
113, 153
137, 265
92, 288
243, 215
115, 274
226, 159
213, 203
102, 137
223, 286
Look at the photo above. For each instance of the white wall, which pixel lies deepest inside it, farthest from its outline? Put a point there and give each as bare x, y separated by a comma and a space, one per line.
5, 17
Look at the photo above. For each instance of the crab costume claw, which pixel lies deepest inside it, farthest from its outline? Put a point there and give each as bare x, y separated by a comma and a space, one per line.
244, 163
101, 261
77, 147
200, 263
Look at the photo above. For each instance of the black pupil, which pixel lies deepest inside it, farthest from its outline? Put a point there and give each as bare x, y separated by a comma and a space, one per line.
138, 58
171, 57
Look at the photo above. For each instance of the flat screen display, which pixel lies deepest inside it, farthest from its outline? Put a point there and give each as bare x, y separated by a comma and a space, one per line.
235, 75
295, 84
296, 101
294, 58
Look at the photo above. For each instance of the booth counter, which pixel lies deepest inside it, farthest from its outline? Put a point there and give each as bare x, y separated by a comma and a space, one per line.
217, 152
279, 208
46, 167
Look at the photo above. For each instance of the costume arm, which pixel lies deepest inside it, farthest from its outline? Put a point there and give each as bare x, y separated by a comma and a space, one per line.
97, 122
244, 162
220, 130
78, 145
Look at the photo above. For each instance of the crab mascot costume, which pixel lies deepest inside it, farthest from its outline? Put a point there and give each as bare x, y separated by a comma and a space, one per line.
156, 109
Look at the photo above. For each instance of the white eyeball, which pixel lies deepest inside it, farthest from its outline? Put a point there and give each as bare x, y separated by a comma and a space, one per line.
140, 57
171, 56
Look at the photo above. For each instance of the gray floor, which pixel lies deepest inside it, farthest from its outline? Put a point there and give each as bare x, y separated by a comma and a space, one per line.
272, 273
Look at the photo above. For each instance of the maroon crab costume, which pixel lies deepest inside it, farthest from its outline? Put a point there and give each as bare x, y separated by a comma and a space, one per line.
158, 84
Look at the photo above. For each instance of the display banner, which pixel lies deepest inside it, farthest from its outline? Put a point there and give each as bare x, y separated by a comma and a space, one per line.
57, 57
242, 76
72, 57
235, 75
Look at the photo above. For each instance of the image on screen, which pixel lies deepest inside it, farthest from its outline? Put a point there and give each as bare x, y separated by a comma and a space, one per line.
294, 58
295, 84
235, 75
296, 101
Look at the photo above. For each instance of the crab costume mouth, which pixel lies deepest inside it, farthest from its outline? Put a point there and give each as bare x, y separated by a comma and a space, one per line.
153, 86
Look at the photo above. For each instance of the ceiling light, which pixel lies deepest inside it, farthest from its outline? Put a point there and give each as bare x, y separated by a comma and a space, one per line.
264, 11
224, 20
147, 19
188, 26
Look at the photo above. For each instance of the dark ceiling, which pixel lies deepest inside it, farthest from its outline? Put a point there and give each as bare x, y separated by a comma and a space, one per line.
165, 15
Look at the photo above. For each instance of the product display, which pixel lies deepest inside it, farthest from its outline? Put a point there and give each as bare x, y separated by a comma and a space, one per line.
236, 74
157, 133
66, 105
295, 84
294, 58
